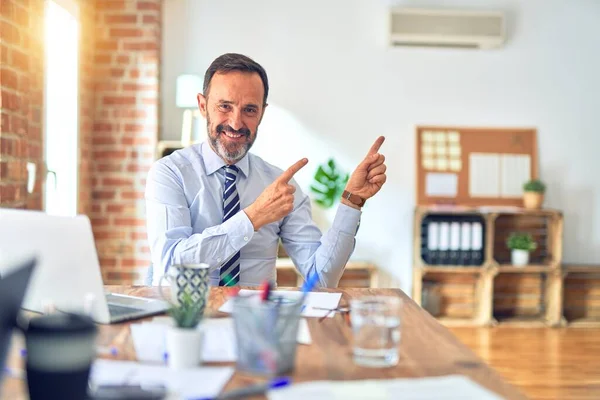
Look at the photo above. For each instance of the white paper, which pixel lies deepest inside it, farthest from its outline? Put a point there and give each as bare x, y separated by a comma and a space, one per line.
516, 170
312, 305
188, 383
430, 388
219, 344
440, 184
484, 175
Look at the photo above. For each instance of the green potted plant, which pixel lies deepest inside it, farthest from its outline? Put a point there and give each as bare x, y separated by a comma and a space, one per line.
533, 195
184, 339
520, 244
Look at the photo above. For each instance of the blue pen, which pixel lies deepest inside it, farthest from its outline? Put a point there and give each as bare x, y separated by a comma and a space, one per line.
252, 390
309, 284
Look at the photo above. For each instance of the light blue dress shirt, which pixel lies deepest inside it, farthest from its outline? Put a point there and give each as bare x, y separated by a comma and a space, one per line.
184, 206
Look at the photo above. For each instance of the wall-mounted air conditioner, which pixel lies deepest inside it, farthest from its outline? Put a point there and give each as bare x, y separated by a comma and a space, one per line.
446, 28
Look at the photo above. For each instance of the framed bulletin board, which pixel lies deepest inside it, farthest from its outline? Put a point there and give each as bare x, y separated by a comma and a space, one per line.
474, 166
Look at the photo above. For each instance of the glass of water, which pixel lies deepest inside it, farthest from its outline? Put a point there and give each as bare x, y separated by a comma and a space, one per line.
376, 330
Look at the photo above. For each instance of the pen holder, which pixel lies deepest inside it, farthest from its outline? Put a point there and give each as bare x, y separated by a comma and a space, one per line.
266, 334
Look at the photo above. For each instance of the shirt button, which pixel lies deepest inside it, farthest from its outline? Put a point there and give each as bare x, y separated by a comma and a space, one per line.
245, 238
219, 259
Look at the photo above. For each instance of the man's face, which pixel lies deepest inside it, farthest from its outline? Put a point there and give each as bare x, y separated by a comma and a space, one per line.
233, 110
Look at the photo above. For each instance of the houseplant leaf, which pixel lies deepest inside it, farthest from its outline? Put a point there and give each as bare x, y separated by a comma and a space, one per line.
328, 183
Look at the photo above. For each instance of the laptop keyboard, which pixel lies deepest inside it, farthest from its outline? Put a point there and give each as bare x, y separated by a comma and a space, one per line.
117, 310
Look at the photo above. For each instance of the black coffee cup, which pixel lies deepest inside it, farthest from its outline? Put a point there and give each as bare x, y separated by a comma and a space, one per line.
60, 351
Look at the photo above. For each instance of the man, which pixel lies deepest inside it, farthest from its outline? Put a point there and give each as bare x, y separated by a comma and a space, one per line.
216, 203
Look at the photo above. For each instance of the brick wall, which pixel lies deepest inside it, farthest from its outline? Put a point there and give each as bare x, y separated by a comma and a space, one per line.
119, 76
126, 63
21, 101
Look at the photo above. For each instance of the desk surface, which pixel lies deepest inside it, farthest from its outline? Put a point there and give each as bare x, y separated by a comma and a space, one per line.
427, 348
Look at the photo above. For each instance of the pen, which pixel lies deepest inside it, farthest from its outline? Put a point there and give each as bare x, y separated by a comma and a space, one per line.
309, 284
266, 291
259, 388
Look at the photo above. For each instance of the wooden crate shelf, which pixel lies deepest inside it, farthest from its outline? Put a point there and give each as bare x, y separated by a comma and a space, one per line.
500, 293
527, 298
581, 305
454, 297
544, 227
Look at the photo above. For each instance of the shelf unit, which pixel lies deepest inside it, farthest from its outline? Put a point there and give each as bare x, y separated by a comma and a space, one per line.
581, 304
494, 292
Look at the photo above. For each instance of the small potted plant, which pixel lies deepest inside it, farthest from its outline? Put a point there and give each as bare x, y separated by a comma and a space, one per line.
184, 339
520, 244
533, 195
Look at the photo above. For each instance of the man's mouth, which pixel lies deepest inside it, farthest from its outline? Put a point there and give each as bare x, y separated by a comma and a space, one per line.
231, 134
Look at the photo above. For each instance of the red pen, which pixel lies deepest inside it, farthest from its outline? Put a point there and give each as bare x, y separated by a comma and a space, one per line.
265, 290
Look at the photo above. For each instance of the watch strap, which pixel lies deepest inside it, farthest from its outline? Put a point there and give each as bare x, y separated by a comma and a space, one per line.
353, 198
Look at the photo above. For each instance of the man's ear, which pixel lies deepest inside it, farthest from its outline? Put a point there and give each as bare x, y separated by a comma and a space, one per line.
202, 104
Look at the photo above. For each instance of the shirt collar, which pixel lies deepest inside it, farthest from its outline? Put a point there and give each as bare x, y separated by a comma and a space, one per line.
212, 161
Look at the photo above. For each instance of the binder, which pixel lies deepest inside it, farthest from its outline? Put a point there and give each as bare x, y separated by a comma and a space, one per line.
476, 243
433, 233
465, 243
444, 245
454, 242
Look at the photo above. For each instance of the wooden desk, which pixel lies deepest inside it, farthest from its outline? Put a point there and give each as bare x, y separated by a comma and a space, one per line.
427, 349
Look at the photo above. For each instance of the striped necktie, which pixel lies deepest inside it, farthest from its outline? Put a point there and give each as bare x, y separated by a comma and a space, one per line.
230, 270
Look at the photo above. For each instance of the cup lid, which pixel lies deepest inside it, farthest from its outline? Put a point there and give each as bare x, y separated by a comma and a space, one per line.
61, 323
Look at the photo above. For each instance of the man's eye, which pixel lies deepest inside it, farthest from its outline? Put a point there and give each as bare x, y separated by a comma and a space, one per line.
251, 110
224, 107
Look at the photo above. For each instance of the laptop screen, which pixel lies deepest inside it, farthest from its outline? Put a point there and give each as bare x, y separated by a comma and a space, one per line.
13, 285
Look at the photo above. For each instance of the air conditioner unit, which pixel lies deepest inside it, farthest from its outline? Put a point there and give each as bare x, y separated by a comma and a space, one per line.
446, 28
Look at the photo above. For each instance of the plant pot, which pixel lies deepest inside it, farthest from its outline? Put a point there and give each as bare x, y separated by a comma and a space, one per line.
184, 347
519, 258
533, 200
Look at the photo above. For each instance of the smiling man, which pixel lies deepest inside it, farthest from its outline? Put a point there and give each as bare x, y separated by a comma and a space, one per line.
216, 203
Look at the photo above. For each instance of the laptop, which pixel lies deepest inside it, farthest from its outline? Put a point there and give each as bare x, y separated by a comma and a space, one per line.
13, 283
67, 276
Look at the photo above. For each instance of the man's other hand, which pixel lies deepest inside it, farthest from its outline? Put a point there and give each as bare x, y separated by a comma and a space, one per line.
368, 178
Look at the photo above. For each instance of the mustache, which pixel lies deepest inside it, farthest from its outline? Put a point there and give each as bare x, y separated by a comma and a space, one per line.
228, 128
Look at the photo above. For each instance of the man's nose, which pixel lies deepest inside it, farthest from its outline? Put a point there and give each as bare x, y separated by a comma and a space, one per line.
235, 120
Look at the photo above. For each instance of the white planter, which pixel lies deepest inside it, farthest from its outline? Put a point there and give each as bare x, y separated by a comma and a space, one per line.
520, 258
184, 347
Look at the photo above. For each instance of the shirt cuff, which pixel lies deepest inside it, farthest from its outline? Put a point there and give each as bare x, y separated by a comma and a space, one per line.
239, 230
346, 219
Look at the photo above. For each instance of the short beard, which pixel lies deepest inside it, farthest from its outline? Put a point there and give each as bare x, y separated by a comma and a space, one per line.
232, 155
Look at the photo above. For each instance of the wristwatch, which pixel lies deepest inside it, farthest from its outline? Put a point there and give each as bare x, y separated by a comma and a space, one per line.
353, 198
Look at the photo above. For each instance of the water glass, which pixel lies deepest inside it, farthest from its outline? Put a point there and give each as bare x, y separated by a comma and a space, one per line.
376, 330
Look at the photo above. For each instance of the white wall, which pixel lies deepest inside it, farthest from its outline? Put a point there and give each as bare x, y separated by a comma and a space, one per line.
335, 86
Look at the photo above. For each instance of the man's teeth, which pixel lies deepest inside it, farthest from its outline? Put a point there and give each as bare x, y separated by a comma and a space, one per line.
232, 135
